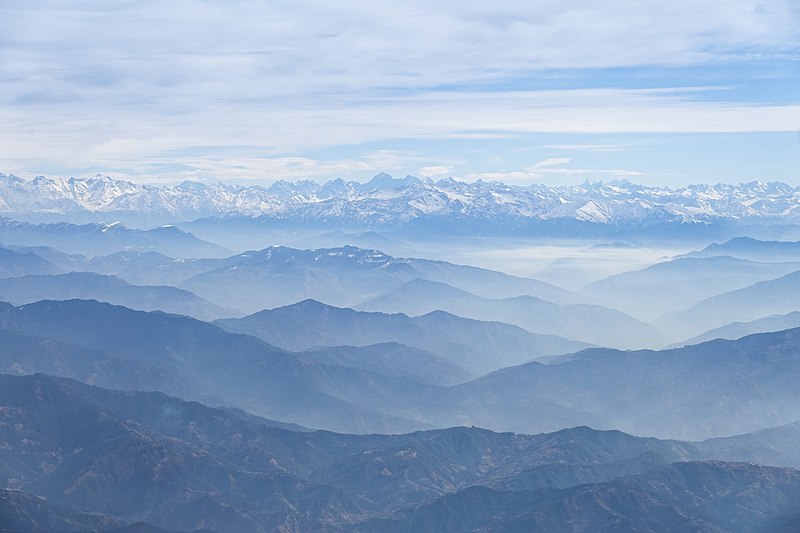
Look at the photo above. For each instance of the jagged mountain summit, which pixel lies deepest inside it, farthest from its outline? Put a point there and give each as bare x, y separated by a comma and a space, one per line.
385, 202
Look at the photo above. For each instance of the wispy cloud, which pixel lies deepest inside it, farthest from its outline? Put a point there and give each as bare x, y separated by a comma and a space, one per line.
120, 84
553, 161
531, 175
598, 148
436, 170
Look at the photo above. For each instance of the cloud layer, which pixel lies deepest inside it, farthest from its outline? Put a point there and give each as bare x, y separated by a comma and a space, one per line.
252, 89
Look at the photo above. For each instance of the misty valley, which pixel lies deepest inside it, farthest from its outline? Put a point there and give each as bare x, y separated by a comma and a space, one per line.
382, 369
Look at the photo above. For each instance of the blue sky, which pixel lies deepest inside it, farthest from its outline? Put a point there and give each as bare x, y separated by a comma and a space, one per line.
520, 91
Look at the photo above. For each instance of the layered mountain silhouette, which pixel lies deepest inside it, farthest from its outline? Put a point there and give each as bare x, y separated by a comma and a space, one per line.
181, 466
91, 286
716, 388
680, 283
753, 249
737, 330
478, 346
712, 389
100, 239
278, 276
15, 263
238, 370
592, 324
773, 297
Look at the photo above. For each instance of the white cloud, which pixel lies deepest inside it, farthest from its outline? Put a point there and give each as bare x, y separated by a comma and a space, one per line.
436, 170
599, 148
137, 85
553, 161
536, 173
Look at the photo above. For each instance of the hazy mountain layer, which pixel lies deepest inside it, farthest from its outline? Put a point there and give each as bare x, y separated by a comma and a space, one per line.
716, 388
680, 283
90, 286
713, 389
591, 324
737, 330
773, 297
14, 264
241, 371
753, 249
475, 345
101, 239
345, 276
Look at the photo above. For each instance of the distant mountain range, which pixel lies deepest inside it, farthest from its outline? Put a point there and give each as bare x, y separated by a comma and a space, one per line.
752, 249
102, 239
385, 202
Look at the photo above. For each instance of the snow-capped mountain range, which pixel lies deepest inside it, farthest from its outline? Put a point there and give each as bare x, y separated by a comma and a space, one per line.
388, 202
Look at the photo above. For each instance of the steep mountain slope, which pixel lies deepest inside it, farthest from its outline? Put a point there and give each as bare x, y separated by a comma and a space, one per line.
476, 345
90, 286
680, 283
591, 324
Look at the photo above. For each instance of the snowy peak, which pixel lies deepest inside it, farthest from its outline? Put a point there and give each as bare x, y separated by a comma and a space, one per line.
388, 202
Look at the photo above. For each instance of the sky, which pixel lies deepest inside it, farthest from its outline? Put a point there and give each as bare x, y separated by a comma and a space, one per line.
534, 91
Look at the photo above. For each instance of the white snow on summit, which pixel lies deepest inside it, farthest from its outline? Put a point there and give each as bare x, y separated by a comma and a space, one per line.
388, 201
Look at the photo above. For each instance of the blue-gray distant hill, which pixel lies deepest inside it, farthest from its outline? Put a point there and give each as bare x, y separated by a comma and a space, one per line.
713, 389
678, 284
235, 370
737, 330
772, 297
278, 276
753, 249
716, 388
101, 239
478, 346
593, 324
14, 264
90, 286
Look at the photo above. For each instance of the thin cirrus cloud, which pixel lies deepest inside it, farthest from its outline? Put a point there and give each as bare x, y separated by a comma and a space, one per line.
134, 87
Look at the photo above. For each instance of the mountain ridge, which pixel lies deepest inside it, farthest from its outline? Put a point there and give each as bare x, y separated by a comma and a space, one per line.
388, 202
